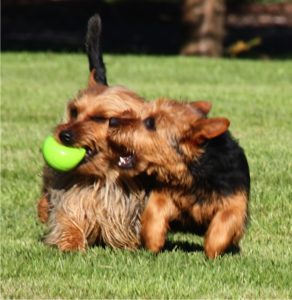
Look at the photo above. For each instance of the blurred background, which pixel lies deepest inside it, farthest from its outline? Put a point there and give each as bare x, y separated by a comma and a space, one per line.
231, 28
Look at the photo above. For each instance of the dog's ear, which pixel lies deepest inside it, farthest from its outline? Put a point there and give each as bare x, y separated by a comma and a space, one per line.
93, 84
91, 81
202, 106
205, 129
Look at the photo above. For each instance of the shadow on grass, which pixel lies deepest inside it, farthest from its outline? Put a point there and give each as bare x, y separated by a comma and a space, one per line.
194, 247
182, 246
232, 250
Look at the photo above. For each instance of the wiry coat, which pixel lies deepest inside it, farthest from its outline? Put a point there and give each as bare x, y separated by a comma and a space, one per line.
202, 172
89, 211
92, 204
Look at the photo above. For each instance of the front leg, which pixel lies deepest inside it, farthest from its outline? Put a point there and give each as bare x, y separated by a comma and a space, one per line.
227, 226
160, 210
43, 208
65, 233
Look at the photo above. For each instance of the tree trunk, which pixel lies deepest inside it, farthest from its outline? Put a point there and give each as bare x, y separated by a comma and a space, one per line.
204, 22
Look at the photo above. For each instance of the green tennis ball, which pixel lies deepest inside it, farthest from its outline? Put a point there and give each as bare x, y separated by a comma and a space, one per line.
60, 157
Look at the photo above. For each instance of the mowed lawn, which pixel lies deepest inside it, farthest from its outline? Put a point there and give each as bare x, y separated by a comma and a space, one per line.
255, 95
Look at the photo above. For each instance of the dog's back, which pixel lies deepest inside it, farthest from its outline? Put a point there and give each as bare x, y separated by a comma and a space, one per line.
222, 168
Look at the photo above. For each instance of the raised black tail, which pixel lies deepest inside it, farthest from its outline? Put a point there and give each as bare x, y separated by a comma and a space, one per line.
93, 49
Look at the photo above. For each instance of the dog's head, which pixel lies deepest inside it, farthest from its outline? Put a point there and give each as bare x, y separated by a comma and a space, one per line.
165, 137
87, 123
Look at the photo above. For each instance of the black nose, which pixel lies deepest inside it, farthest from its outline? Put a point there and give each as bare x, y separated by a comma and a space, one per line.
66, 137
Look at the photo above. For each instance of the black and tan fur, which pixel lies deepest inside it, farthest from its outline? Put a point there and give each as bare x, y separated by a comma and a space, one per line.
201, 173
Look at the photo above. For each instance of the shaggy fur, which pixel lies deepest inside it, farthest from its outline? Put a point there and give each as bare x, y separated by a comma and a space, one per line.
93, 204
91, 211
203, 173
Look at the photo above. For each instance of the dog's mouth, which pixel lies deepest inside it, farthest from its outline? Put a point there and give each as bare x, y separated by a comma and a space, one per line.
125, 158
90, 153
127, 161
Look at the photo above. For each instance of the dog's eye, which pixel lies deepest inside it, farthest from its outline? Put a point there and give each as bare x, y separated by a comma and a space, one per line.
98, 119
114, 122
150, 123
73, 113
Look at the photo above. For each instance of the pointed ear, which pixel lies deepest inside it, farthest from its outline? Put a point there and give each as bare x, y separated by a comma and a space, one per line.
200, 131
91, 81
92, 84
203, 106
206, 129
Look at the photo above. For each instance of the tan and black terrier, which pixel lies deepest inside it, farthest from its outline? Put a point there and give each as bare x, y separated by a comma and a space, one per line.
201, 172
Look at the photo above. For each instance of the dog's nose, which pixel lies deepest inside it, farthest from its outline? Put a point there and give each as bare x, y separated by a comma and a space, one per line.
66, 137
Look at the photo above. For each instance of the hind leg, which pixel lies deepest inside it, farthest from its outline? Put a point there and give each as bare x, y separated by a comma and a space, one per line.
155, 221
227, 226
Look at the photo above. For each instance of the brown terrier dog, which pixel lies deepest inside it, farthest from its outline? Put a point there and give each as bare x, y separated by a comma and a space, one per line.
97, 81
203, 173
92, 204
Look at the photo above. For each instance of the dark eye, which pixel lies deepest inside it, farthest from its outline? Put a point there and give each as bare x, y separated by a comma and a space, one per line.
73, 113
114, 122
150, 123
98, 119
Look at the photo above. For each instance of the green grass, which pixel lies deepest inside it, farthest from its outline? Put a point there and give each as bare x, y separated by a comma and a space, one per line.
254, 95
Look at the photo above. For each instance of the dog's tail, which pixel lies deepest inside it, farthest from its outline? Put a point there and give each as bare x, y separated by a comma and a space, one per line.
93, 49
